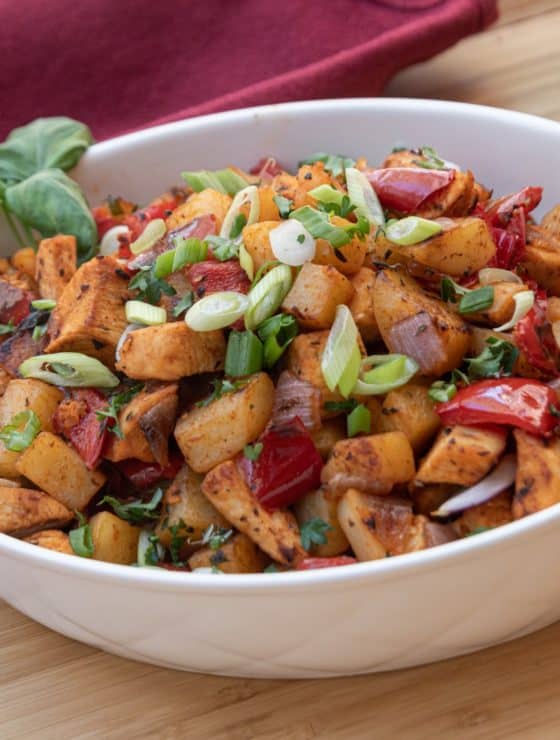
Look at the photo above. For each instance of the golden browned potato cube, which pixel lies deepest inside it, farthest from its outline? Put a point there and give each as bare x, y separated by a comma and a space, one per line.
361, 305
89, 316
424, 533
485, 516
315, 294
208, 435
5, 378
268, 210
296, 187
347, 259
320, 505
428, 498
461, 455
170, 352
274, 532
410, 410
207, 202
538, 473
55, 467
52, 539
541, 258
24, 260
256, 238
553, 309
238, 554
304, 360
114, 540
373, 464
329, 433
551, 221
22, 395
55, 265
503, 305
186, 512
414, 324
23, 511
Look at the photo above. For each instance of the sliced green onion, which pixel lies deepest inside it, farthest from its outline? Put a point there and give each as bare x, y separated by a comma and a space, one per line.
291, 243
524, 302
412, 230
364, 197
224, 181
267, 295
358, 421
263, 269
70, 369
277, 333
389, 372
188, 252
477, 300
334, 163
39, 332
319, 226
21, 430
149, 552
153, 232
244, 354
449, 290
138, 312
163, 266
248, 195
489, 275
441, 391
338, 360
216, 311
246, 262
80, 538
327, 194
43, 304
351, 372
284, 205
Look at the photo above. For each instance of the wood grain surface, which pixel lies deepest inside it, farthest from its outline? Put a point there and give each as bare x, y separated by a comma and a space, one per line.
54, 688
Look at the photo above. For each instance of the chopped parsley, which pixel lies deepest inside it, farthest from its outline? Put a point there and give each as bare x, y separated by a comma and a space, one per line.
135, 511
284, 205
223, 249
152, 554
253, 452
185, 303
334, 163
220, 388
314, 532
238, 225
8, 328
215, 537
441, 391
116, 402
345, 406
343, 210
150, 288
431, 161
495, 360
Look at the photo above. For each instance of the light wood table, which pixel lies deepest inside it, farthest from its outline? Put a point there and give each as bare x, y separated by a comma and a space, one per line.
51, 687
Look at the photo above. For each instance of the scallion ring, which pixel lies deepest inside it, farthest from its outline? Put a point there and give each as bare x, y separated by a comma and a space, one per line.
380, 374
412, 230
216, 311
249, 195
319, 226
267, 295
224, 181
246, 262
363, 196
292, 244
21, 430
524, 302
70, 369
43, 304
138, 312
154, 231
340, 361
110, 241
327, 194
489, 275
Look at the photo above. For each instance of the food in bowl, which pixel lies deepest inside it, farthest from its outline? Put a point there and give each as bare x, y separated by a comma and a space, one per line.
270, 370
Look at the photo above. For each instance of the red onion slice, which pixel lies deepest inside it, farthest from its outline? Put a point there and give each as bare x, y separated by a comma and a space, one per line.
295, 397
417, 337
500, 478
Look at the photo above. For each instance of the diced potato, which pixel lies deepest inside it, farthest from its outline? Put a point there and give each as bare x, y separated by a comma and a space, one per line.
238, 554
424, 534
347, 259
428, 498
329, 433
541, 258
22, 395
52, 539
463, 248
274, 532
114, 540
304, 360
268, 210
315, 294
372, 464
23, 511
207, 202
538, 473
375, 526
361, 305
412, 323
55, 265
491, 514
256, 238
186, 512
89, 316
297, 187
146, 424
319, 504
461, 455
5, 379
208, 435
170, 352
503, 305
553, 309
410, 410
551, 222
55, 467
24, 260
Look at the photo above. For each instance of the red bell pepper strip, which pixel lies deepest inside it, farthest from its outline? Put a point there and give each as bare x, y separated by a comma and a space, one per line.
144, 475
500, 211
212, 277
288, 466
404, 189
266, 169
313, 563
518, 402
533, 336
90, 435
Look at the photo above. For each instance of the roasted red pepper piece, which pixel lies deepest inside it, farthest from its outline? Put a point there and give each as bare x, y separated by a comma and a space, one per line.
266, 169
288, 466
499, 212
89, 435
404, 189
212, 277
313, 563
144, 475
533, 336
518, 402
135, 220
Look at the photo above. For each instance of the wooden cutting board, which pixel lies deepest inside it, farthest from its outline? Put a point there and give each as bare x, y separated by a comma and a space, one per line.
54, 688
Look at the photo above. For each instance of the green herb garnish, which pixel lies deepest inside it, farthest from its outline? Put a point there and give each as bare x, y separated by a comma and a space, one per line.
344, 406
239, 224
495, 360
284, 205
477, 300
253, 452
80, 538
21, 430
334, 163
116, 403
8, 328
135, 511
441, 391
185, 303
220, 388
223, 249
431, 161
313, 532
150, 287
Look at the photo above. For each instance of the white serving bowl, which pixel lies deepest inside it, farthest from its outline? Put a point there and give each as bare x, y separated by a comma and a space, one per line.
367, 617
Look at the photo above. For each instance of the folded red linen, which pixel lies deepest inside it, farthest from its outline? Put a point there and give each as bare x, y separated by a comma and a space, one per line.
124, 65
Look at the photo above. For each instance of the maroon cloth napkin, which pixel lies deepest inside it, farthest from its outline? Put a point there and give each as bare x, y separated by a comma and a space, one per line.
118, 66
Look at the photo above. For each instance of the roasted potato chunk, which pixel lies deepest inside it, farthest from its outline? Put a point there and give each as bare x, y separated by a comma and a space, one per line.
502, 307
207, 202
538, 473
461, 455
55, 265
24, 261
297, 187
256, 238
541, 259
170, 352
52, 539
491, 514
208, 435
414, 324
89, 316
329, 433
23, 511
428, 498
551, 222
315, 294
361, 305
274, 532
424, 533
114, 540
304, 360
57, 468
372, 464
239, 554
410, 410
319, 504
349, 258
